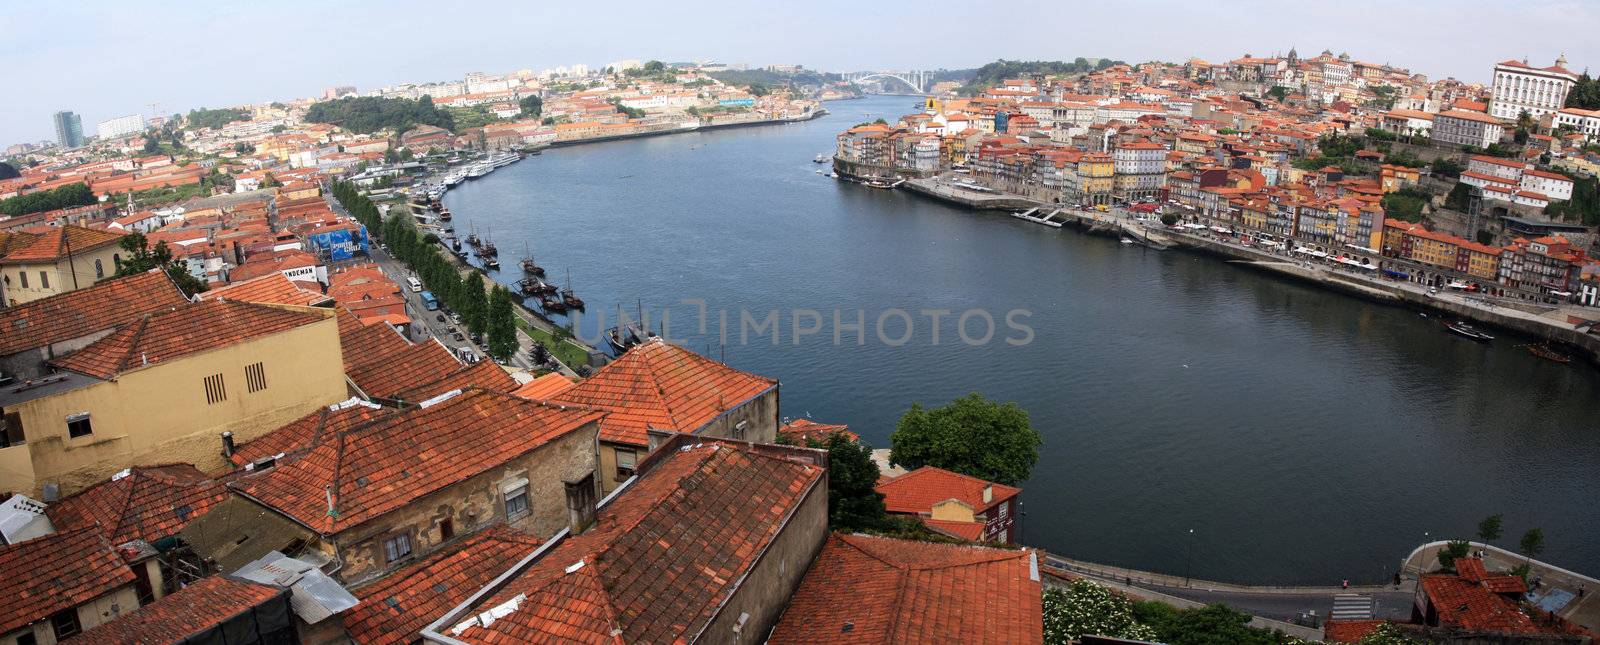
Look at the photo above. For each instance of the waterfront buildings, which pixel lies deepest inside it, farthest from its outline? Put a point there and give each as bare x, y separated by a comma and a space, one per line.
955, 504
1519, 87
69, 129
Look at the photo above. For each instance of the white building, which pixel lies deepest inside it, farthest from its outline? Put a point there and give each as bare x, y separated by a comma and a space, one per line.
1519, 86
1584, 121
1464, 128
121, 126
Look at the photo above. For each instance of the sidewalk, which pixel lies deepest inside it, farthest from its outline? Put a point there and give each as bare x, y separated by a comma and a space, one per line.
1557, 590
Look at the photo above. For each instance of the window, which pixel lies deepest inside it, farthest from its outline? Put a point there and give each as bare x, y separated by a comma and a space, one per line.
1004, 508
626, 460
27, 638
78, 425
99, 268
216, 390
65, 622
255, 377
396, 547
44, 280
447, 529
517, 502
11, 434
24, 276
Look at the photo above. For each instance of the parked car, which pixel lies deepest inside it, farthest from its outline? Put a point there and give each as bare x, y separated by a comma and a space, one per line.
457, 335
439, 318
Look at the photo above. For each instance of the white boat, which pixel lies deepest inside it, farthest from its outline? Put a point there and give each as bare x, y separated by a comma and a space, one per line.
819, 159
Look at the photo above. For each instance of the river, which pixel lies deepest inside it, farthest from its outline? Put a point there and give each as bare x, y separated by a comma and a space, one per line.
1305, 437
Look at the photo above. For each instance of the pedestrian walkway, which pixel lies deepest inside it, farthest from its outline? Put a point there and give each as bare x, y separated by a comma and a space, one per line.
1350, 606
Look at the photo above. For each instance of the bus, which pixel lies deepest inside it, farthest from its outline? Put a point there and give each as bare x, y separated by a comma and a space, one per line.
416, 285
429, 302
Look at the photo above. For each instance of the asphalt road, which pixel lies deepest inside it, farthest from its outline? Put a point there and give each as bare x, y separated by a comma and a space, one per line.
1288, 606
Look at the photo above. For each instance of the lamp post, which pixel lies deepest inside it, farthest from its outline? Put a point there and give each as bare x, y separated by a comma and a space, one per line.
1188, 567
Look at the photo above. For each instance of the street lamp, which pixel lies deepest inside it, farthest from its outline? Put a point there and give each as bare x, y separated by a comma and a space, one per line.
1188, 567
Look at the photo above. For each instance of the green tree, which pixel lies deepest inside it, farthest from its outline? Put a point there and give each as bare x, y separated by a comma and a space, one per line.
1453, 550
206, 118
142, 258
532, 106
502, 325
67, 196
1388, 634
371, 114
1459, 199
1209, 625
1489, 528
1532, 543
972, 435
1447, 166
475, 305
1085, 608
854, 503
8, 171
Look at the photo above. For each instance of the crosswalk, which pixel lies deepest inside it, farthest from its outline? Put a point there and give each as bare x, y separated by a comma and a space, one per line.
1350, 606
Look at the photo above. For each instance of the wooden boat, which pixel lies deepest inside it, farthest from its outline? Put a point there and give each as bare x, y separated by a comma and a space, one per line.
491, 263
567, 296
1544, 351
528, 265
553, 303
1461, 328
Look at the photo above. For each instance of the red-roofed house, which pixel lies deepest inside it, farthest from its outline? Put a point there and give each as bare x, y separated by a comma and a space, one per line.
379, 494
61, 584
164, 387
801, 432
657, 387
1474, 600
203, 612
866, 589
59, 260
702, 546
953, 503
41, 330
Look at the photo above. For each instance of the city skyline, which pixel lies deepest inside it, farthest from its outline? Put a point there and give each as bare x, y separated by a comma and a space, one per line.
137, 57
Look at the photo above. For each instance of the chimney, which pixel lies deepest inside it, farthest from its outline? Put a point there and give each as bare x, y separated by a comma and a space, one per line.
227, 444
988, 493
580, 504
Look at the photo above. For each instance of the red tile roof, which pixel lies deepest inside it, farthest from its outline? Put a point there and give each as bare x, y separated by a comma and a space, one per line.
383, 363
971, 531
482, 374
55, 572
802, 431
1349, 631
193, 609
663, 555
79, 313
273, 288
918, 490
864, 589
307, 431
57, 242
386, 463
544, 387
149, 503
395, 608
181, 331
663, 386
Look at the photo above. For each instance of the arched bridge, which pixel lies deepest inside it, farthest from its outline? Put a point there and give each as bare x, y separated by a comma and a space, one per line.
918, 81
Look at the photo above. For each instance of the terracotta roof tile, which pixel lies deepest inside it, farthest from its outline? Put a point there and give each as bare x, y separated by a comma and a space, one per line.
179, 332
803, 430
482, 374
386, 463
193, 609
863, 589
79, 313
544, 387
918, 490
149, 503
383, 363
55, 572
395, 608
662, 556
274, 288
663, 386
1349, 631
57, 242
306, 431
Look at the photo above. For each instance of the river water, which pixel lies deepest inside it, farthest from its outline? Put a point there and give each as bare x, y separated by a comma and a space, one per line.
1305, 437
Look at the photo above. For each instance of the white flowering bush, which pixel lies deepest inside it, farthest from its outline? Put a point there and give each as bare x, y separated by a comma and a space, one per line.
1087, 608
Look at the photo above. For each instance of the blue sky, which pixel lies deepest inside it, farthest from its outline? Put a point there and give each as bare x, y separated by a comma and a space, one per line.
104, 59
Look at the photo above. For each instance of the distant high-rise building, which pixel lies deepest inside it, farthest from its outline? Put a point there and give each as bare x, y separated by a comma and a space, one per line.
121, 126
69, 129
1520, 87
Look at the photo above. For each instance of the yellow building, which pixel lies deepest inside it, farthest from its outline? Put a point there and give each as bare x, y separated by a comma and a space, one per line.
164, 387
34, 266
1097, 175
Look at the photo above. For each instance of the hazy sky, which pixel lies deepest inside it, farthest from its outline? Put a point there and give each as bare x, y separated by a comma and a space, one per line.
104, 59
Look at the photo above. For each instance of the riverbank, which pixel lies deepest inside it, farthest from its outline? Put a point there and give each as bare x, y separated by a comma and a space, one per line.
1547, 330
691, 127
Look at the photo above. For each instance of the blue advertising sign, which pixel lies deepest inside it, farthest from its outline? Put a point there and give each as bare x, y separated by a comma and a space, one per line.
341, 244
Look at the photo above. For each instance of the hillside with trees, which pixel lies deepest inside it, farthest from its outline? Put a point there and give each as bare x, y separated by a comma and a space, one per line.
367, 114
992, 74
208, 118
67, 196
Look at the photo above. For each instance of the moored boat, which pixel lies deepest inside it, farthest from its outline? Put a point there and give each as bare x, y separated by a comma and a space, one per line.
1463, 329
1545, 351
